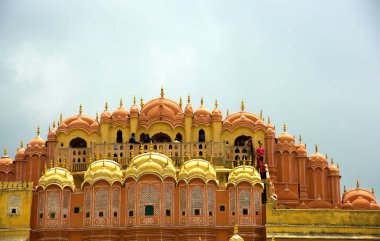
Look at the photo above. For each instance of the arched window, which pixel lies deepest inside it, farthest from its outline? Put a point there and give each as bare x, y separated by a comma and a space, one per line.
149, 210
178, 137
201, 136
78, 143
119, 136
161, 137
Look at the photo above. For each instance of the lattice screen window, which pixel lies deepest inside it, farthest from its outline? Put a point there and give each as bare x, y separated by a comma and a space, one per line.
149, 195
182, 197
65, 206
168, 192
115, 200
14, 204
196, 201
232, 200
211, 199
101, 203
87, 202
244, 202
53, 205
257, 203
131, 199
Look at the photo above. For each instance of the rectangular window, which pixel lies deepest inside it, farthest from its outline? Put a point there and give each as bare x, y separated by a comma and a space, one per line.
222, 208
101, 214
130, 213
13, 211
115, 214
149, 210
245, 211
167, 212
197, 212
183, 213
209, 213
87, 214
76, 210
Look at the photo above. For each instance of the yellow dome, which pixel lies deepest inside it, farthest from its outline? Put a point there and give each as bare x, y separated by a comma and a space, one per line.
197, 168
244, 173
151, 163
236, 236
107, 170
57, 176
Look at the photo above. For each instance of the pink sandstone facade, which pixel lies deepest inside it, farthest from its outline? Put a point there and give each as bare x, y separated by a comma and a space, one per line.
196, 177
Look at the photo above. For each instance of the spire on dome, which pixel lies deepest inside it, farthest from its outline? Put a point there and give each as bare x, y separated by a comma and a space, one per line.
228, 112
162, 91
268, 120
38, 131
261, 114
344, 189
21, 144
332, 161
5, 151
106, 107
327, 158
242, 105
80, 109
180, 102
216, 104
300, 139
202, 102
141, 102
134, 100
284, 127
97, 117
357, 184
60, 118
316, 148
236, 230
121, 103
188, 98
373, 190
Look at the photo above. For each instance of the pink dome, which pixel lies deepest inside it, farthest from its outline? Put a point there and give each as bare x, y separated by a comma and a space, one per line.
361, 199
6, 160
240, 119
361, 204
216, 113
81, 122
202, 115
134, 111
347, 205
20, 153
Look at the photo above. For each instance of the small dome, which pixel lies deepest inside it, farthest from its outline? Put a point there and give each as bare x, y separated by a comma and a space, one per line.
120, 113
57, 176
374, 206
301, 149
319, 203
107, 170
244, 173
37, 142
241, 119
52, 135
197, 168
202, 115
361, 204
236, 236
216, 113
6, 160
347, 205
151, 163
20, 153
287, 194
134, 111
80, 121
106, 115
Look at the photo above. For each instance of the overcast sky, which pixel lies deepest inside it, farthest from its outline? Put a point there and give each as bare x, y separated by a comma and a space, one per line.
312, 64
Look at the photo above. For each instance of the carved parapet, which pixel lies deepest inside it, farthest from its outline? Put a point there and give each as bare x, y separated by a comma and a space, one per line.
16, 185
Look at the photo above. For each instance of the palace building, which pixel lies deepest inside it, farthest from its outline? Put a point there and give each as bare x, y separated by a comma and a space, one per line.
164, 171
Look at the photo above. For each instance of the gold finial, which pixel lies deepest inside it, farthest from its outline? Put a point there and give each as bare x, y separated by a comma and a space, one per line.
97, 156
284, 127
106, 107
53, 124
38, 131
64, 164
199, 238
316, 148
51, 163
162, 91
326, 157
141, 102
273, 238
344, 188
201, 101
80, 109
134, 100
104, 156
228, 112
21, 144
261, 114
212, 159
97, 117
151, 146
170, 154
332, 161
49, 128
60, 118
180, 102
204, 155
216, 104
90, 158
160, 149
141, 149
357, 183
242, 105
244, 161
250, 160
373, 190
5, 151
132, 153
121, 103
337, 165
118, 160
45, 167
196, 153
255, 165
236, 230
300, 139
188, 98
268, 120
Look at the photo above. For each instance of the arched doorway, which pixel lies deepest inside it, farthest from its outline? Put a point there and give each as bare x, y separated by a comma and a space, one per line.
178, 137
161, 137
240, 140
119, 136
78, 143
201, 136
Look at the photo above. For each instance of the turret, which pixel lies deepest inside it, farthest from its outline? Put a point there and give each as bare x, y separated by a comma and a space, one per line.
216, 122
188, 119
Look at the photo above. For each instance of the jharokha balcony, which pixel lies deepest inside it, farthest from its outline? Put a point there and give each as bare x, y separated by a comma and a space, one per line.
219, 153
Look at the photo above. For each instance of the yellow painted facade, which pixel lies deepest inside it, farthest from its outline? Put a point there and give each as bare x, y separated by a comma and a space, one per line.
15, 210
321, 224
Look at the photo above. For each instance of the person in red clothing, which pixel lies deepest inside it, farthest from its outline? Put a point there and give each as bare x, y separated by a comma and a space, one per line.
260, 158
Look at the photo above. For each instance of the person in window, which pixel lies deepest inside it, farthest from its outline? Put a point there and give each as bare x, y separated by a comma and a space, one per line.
133, 139
260, 159
147, 139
